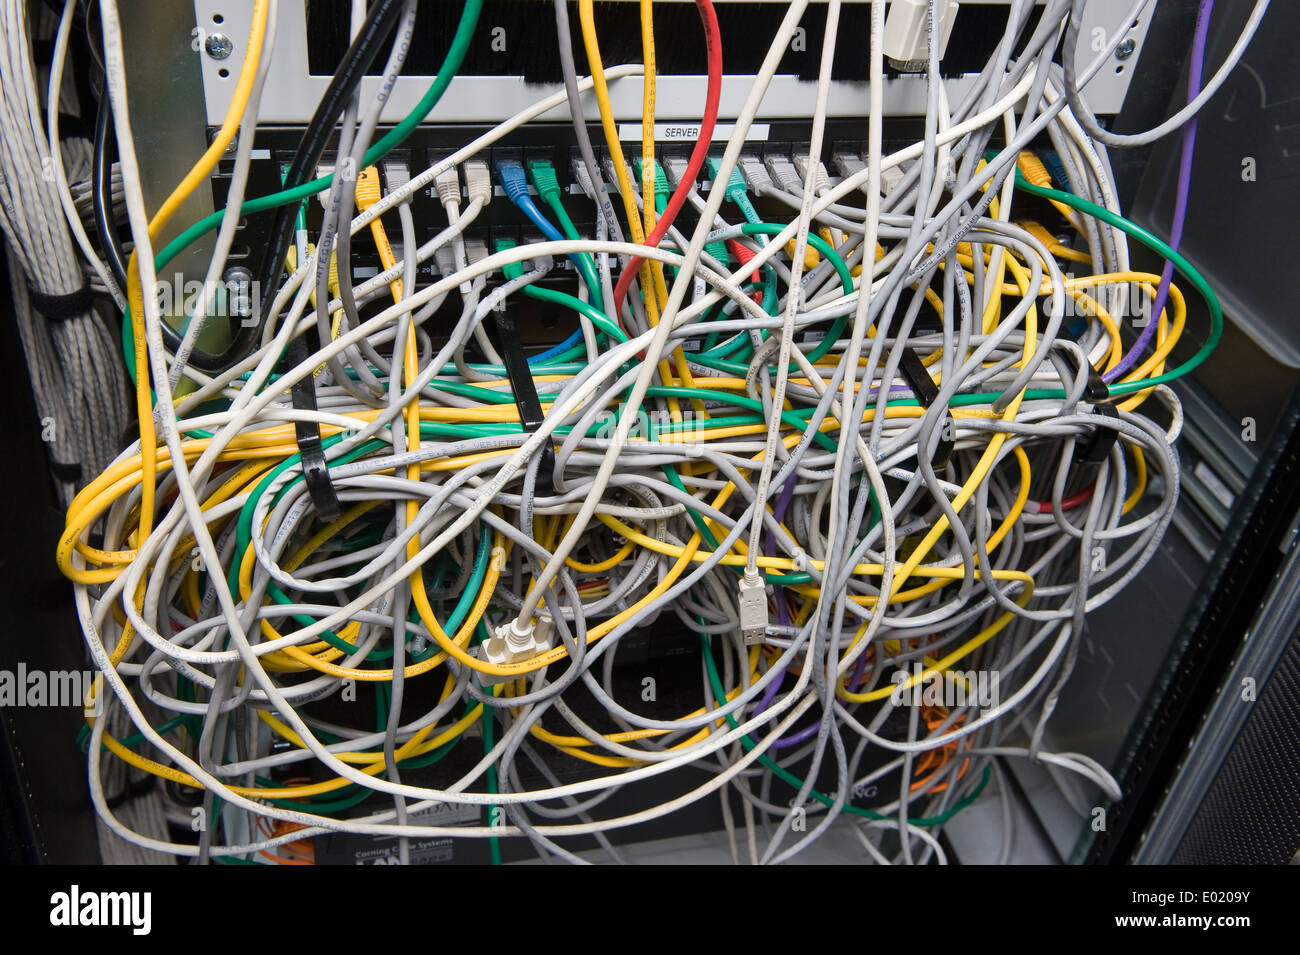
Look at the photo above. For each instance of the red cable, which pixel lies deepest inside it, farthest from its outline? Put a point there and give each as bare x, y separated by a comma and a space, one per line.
713, 44
744, 255
1068, 503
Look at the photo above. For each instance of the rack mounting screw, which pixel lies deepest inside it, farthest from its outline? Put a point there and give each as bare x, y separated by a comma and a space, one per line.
1123, 51
219, 46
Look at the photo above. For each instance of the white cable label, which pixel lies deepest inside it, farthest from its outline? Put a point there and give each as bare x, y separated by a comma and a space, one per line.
689, 132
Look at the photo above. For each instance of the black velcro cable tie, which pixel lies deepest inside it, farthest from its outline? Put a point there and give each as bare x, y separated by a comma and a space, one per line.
74, 127
927, 393
60, 308
527, 400
315, 472
1096, 390
67, 471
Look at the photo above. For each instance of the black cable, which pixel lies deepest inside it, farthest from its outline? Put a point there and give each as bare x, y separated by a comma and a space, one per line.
379, 23
101, 193
365, 48
361, 54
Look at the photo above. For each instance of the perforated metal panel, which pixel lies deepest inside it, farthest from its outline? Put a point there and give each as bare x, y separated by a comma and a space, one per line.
1251, 814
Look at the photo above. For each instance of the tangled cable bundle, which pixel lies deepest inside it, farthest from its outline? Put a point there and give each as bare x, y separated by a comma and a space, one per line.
68, 348
885, 443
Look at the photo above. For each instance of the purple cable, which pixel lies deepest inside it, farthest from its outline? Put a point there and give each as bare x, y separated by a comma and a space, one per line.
782, 503
1195, 68
785, 742
770, 693
859, 671
787, 490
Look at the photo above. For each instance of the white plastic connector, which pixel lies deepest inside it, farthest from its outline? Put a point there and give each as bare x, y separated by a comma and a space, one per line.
756, 177
890, 178
323, 170
478, 180
583, 179
848, 164
907, 33
675, 168
784, 174
396, 174
821, 180
514, 642
611, 173
753, 609
534, 262
444, 257
447, 183
476, 251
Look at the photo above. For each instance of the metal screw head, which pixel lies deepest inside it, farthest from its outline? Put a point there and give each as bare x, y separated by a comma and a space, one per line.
239, 288
219, 46
230, 146
1126, 48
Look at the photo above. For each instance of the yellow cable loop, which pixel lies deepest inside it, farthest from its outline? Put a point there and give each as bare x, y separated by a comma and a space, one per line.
135, 290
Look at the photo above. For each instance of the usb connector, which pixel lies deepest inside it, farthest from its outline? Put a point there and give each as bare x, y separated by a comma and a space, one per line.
753, 609
907, 33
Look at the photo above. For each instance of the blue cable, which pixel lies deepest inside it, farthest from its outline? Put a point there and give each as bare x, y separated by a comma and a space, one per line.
561, 348
515, 184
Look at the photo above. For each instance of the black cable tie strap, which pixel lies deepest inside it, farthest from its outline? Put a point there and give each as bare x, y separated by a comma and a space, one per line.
1098, 446
315, 472
527, 400
1095, 391
927, 393
60, 308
